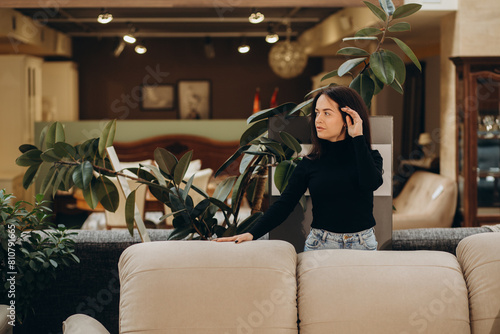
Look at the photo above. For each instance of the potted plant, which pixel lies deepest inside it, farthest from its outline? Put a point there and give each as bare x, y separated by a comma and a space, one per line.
33, 252
86, 166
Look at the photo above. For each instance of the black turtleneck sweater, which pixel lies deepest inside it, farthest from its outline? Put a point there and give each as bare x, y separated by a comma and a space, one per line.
341, 183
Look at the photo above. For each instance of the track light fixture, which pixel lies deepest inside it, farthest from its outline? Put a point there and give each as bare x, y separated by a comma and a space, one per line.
105, 17
256, 16
243, 47
272, 36
129, 37
140, 48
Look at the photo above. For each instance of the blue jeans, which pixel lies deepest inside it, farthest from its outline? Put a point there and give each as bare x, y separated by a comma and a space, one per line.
321, 239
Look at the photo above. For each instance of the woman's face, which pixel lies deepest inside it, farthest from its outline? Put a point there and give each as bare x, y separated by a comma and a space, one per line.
329, 122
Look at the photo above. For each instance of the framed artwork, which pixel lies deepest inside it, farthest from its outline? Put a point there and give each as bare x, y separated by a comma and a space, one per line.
195, 99
157, 97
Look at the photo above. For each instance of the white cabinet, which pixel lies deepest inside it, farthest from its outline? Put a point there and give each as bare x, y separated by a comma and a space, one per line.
60, 91
20, 105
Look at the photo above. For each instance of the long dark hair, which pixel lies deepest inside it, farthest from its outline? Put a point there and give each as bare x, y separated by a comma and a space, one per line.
344, 96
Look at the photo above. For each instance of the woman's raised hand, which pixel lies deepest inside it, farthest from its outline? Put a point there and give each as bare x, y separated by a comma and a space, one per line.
239, 238
353, 128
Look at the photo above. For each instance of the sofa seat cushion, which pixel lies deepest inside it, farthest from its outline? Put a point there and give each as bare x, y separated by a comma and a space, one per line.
352, 291
479, 256
208, 287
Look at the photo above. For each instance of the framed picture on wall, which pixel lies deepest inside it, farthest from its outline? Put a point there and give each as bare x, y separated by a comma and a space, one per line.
195, 98
157, 97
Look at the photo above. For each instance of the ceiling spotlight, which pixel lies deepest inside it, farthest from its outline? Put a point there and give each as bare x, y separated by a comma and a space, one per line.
243, 48
256, 17
140, 49
104, 17
130, 38
272, 37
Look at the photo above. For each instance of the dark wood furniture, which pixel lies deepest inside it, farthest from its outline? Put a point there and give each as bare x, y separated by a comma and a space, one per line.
478, 139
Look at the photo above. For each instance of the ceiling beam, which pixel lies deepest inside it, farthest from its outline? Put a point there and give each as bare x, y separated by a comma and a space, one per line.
221, 6
184, 19
162, 34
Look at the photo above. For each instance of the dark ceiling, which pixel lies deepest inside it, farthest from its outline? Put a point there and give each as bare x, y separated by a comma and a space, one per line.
180, 22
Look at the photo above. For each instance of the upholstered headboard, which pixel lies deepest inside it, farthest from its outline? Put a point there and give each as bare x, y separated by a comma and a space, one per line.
212, 153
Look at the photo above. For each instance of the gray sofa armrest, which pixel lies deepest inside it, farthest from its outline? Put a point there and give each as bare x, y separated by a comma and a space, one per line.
82, 324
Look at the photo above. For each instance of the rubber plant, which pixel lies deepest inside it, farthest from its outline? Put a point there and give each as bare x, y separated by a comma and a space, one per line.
86, 166
371, 72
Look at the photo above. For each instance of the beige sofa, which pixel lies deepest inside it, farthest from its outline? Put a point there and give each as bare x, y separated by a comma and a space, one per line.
265, 287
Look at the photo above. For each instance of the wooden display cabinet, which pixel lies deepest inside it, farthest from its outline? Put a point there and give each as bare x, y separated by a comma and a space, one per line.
478, 139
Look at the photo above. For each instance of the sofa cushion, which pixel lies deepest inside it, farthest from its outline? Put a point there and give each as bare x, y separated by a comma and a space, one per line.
479, 256
352, 291
208, 287
82, 324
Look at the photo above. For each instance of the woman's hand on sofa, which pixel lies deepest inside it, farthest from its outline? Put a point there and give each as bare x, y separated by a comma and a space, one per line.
239, 238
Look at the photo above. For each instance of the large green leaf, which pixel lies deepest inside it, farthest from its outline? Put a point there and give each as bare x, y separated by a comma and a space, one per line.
107, 193
248, 158
231, 159
90, 194
387, 6
379, 85
282, 174
65, 150
200, 208
246, 224
165, 160
181, 233
29, 158
382, 67
400, 26
370, 31
27, 147
48, 180
224, 188
254, 131
407, 51
182, 166
352, 51
365, 86
406, 10
107, 137
59, 178
82, 175
290, 141
88, 149
284, 108
188, 187
328, 76
29, 175
276, 149
314, 91
54, 134
397, 86
306, 105
349, 65
377, 11
50, 156
398, 64
130, 212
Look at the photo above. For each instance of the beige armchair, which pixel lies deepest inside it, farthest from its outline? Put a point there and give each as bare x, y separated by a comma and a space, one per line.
427, 200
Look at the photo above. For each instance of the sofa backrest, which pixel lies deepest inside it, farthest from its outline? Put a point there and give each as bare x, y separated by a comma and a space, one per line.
479, 256
208, 287
355, 291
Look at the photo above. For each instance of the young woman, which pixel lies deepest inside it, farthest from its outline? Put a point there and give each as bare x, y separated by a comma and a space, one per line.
341, 172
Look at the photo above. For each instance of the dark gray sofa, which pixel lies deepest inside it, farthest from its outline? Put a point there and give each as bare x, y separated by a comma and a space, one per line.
92, 287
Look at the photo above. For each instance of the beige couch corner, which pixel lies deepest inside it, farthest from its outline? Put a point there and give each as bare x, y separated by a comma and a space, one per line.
265, 287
